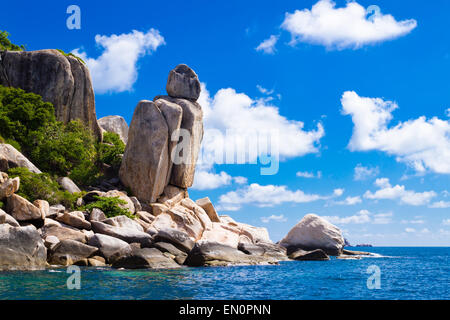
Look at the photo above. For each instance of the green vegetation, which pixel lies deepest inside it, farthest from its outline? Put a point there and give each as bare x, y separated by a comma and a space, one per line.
111, 150
110, 206
71, 55
41, 186
5, 43
2, 205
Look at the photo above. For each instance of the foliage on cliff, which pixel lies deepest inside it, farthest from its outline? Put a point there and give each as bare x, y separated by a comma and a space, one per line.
111, 150
5, 43
110, 207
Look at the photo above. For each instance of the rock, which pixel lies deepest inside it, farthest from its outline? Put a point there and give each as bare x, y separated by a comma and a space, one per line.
51, 222
23, 210
51, 241
97, 215
356, 253
264, 249
172, 196
91, 196
214, 254
125, 234
145, 216
122, 196
187, 152
178, 238
6, 218
68, 185
75, 219
136, 203
109, 247
187, 221
123, 222
69, 252
97, 261
179, 255
21, 248
183, 83
115, 124
147, 258
206, 204
315, 255
201, 215
9, 187
62, 80
145, 162
55, 209
158, 208
63, 233
44, 206
222, 233
314, 232
11, 158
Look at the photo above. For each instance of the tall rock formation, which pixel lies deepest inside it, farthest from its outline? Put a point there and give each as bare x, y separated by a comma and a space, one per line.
155, 139
62, 80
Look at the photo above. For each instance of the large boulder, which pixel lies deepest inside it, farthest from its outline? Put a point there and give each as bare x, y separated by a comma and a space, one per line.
126, 234
68, 185
264, 249
109, 247
183, 83
68, 252
21, 248
315, 255
207, 205
74, 219
11, 158
23, 210
60, 79
185, 156
123, 222
6, 218
145, 162
62, 233
314, 232
146, 258
179, 239
129, 205
115, 124
8, 187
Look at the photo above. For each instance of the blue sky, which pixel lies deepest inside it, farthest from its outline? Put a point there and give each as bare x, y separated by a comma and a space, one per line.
378, 170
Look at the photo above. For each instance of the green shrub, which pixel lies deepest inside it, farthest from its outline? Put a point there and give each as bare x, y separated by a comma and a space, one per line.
41, 186
70, 54
110, 206
111, 150
2, 205
5, 43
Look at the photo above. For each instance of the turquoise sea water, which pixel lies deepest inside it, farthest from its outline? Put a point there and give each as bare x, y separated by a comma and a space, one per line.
406, 273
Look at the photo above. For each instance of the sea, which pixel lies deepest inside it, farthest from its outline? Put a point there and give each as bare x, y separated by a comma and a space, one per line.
394, 273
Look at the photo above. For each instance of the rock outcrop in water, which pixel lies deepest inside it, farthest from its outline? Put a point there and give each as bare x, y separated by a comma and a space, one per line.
60, 79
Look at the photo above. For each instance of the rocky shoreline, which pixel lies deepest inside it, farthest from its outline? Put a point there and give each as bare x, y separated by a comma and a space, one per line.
163, 227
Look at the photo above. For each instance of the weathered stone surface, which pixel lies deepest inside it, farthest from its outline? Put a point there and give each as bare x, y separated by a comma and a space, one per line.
51, 222
21, 248
97, 261
188, 148
115, 124
158, 208
145, 162
22, 210
145, 216
109, 247
97, 215
123, 222
44, 206
75, 219
2, 216
6, 218
187, 221
147, 258
55, 209
183, 83
206, 204
51, 241
62, 80
178, 238
356, 253
68, 185
125, 234
315, 255
69, 252
314, 232
9, 187
11, 158
172, 195
136, 203
213, 254
222, 233
63, 233
264, 249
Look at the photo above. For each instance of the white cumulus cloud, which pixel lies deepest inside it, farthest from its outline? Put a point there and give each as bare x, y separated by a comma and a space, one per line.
275, 218
115, 70
363, 173
346, 27
349, 201
440, 205
309, 175
422, 144
268, 45
398, 192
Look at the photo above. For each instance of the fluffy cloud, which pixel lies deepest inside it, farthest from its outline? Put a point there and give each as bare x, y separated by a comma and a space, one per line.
237, 128
363, 173
268, 45
440, 205
347, 27
362, 217
422, 144
205, 180
115, 70
309, 175
265, 196
275, 218
349, 201
387, 191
